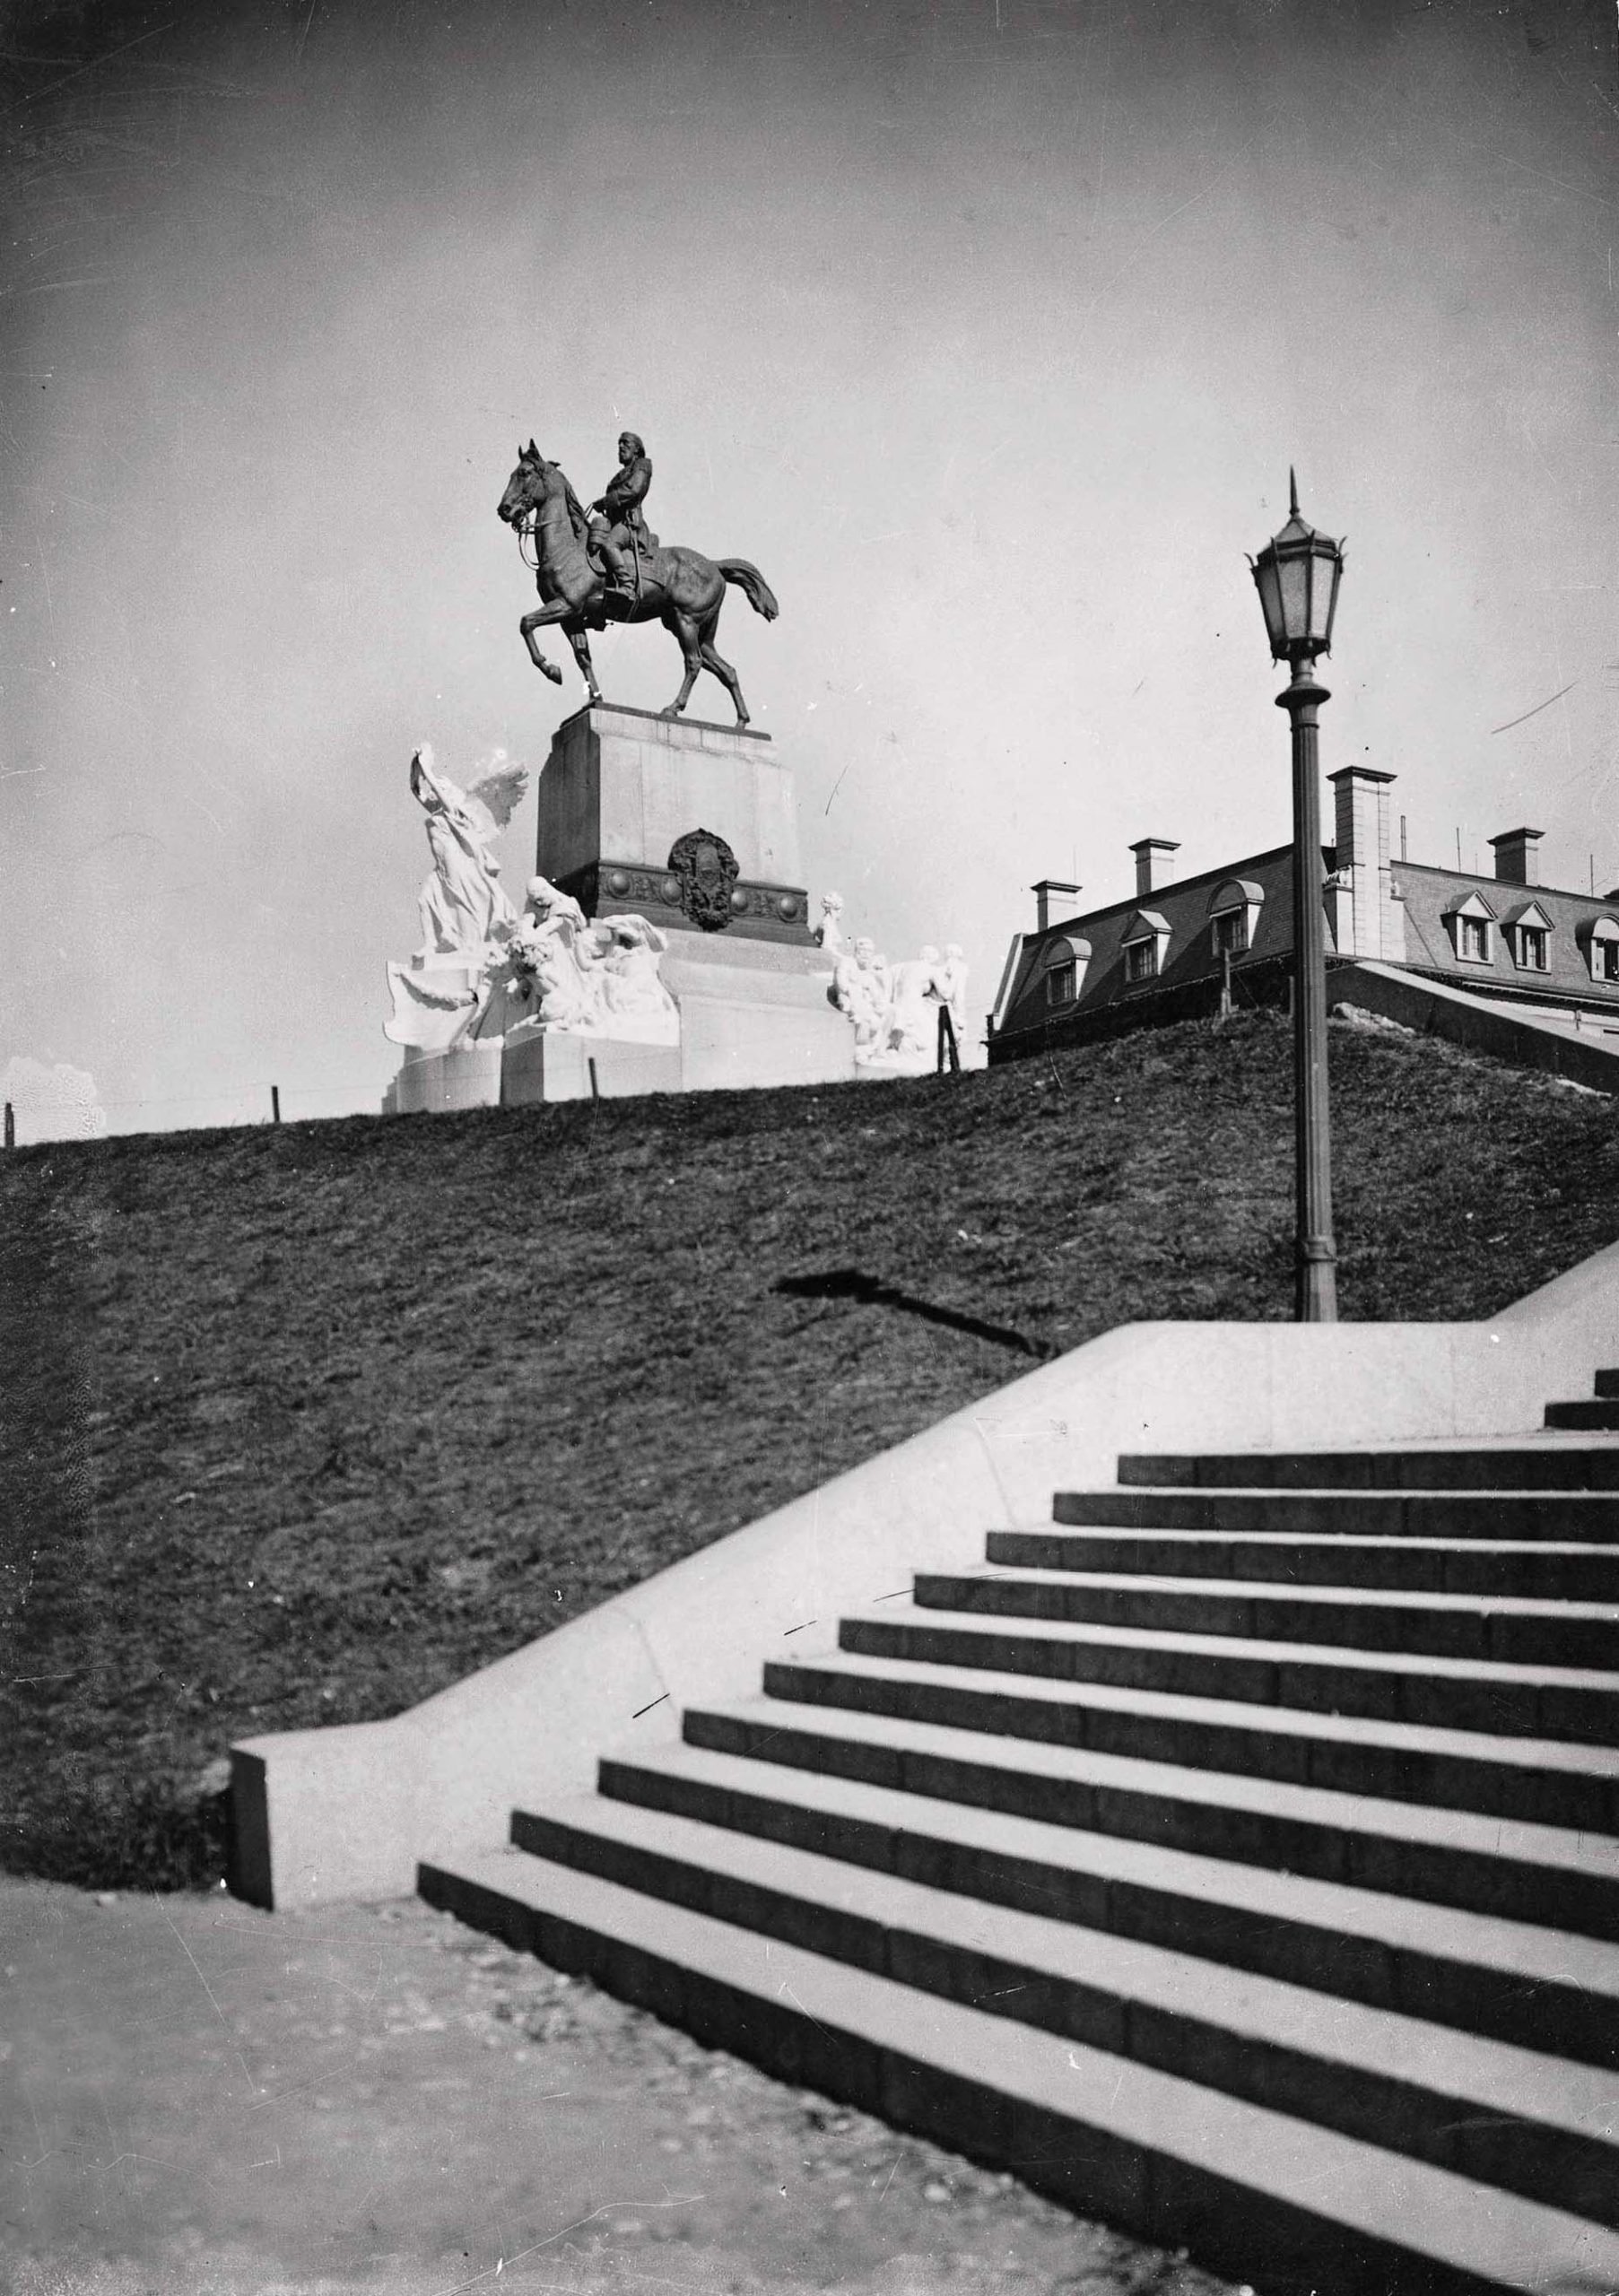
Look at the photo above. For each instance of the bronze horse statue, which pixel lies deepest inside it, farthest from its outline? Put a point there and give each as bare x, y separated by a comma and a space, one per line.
677, 587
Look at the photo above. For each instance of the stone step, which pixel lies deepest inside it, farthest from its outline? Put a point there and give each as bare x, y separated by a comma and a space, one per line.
1551, 1876
1579, 1518
1507, 1468
1514, 2119
1538, 1988
1509, 1629
1549, 1781
1247, 2188
1600, 1412
1542, 1570
1579, 1705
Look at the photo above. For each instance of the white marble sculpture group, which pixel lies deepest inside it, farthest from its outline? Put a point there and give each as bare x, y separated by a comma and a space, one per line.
484, 970
893, 1009
599, 980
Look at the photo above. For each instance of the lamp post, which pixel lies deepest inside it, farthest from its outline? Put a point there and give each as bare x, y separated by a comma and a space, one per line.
1297, 574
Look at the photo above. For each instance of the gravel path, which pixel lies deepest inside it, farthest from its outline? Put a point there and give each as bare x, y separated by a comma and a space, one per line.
197, 2099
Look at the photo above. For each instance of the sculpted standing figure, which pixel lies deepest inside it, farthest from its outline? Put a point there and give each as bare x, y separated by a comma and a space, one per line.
466, 916
625, 529
860, 990
463, 902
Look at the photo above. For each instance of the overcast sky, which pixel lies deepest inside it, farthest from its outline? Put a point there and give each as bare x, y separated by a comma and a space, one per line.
988, 329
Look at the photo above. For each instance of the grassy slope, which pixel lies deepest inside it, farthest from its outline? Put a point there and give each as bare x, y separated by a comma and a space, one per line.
302, 1424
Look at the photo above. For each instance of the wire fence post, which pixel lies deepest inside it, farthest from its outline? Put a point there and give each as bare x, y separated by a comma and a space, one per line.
11, 1126
275, 1103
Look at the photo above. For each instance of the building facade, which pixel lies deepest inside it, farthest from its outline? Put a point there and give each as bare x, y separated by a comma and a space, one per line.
1223, 939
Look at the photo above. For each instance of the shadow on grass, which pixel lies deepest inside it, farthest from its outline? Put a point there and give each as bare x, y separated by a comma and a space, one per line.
869, 1290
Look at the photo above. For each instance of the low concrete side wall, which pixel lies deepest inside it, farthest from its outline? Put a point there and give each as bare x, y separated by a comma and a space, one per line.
1483, 1025
346, 1812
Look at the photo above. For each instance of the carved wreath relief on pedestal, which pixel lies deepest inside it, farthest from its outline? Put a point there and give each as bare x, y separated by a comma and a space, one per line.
708, 870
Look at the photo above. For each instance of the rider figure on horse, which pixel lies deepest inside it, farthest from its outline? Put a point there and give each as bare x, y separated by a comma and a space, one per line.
621, 527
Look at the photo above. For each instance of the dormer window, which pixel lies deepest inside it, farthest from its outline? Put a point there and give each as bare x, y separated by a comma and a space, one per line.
1233, 915
1470, 922
1602, 950
1528, 933
1064, 965
1146, 938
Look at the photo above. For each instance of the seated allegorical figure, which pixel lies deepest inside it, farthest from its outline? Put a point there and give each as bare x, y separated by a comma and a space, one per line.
910, 1024
598, 979
860, 990
630, 982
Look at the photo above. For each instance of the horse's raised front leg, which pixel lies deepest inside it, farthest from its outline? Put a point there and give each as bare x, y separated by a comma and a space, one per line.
682, 628
723, 671
579, 639
537, 620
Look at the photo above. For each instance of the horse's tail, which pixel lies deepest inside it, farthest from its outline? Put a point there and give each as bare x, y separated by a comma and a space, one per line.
753, 584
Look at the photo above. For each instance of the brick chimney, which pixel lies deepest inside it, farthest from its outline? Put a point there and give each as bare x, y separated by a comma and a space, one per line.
1371, 923
1517, 862
1154, 863
1043, 900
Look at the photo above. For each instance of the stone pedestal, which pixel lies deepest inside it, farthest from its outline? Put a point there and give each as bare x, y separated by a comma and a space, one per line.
435, 1083
622, 791
754, 1013
556, 1064
621, 787
750, 1015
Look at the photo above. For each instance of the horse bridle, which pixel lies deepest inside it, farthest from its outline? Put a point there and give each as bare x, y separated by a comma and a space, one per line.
526, 528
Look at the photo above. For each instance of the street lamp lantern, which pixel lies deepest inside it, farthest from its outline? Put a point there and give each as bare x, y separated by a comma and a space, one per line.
1297, 575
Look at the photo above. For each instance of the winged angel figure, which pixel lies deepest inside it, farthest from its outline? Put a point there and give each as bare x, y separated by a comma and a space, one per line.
463, 901
466, 914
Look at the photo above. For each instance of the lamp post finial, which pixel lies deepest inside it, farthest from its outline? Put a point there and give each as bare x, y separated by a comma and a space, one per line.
1292, 491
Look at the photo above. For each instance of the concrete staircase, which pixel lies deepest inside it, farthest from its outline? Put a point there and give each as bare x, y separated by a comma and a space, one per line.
1236, 1859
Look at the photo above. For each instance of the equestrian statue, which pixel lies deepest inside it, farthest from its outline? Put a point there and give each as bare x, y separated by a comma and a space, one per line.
603, 564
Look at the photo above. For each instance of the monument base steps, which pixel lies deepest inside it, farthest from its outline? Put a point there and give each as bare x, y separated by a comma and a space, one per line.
1238, 1862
